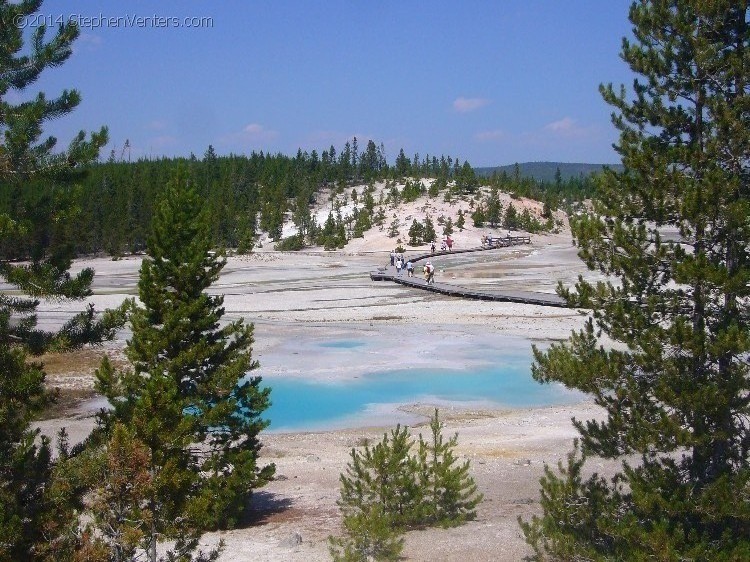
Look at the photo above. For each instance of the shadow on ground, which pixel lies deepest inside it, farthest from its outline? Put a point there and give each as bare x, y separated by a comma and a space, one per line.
268, 507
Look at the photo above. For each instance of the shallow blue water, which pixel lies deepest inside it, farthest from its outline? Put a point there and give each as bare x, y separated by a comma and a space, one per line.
342, 344
505, 380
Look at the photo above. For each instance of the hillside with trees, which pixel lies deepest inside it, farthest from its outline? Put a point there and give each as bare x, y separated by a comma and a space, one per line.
250, 195
547, 171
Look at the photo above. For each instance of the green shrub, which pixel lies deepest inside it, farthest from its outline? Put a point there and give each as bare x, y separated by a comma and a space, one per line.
292, 243
386, 490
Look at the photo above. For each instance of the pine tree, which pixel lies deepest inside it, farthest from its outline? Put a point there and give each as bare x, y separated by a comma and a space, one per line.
328, 232
380, 218
412, 191
386, 489
369, 200
415, 233
380, 496
187, 397
428, 230
528, 222
478, 217
466, 180
119, 509
394, 196
384, 475
341, 238
36, 515
434, 190
153, 410
369, 536
355, 158
403, 164
120, 520
494, 208
368, 163
450, 493
301, 215
547, 211
362, 222
460, 220
676, 391
448, 227
393, 229
510, 220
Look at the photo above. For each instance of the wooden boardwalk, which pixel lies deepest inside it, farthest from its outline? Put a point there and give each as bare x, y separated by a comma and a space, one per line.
496, 244
388, 273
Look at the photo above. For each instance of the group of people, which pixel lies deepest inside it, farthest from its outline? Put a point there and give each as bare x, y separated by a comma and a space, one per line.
398, 260
446, 244
401, 264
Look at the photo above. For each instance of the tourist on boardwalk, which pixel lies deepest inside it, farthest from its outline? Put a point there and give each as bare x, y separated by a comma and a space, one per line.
429, 273
432, 248
409, 269
443, 246
393, 257
399, 265
449, 243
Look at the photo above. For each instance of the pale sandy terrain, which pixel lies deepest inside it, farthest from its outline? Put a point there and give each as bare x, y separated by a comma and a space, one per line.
314, 296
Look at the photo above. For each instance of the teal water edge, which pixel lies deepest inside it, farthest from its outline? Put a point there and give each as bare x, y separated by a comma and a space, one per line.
504, 380
343, 344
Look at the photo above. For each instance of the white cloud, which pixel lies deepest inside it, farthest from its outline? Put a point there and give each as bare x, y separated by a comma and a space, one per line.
253, 129
162, 141
257, 132
464, 105
567, 127
90, 38
489, 136
251, 134
157, 125
87, 42
563, 140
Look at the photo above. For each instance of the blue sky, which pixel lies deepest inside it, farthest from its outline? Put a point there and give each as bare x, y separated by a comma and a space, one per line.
494, 82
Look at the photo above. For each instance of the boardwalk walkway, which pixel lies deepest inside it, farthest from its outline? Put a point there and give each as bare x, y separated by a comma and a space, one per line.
388, 273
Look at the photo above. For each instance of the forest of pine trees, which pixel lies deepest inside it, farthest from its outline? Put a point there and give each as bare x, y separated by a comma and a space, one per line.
245, 194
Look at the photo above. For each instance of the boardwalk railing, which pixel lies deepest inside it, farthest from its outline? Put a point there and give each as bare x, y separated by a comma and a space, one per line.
491, 242
501, 243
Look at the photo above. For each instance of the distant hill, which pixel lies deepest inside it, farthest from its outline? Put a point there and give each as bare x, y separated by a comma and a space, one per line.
545, 171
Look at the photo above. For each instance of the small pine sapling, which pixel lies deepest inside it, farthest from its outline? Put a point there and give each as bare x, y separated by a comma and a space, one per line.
369, 536
450, 493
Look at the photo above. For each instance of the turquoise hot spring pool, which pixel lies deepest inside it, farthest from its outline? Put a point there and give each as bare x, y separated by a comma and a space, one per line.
501, 379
